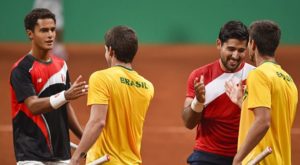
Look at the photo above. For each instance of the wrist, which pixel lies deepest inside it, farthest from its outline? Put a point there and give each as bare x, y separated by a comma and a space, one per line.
196, 105
58, 100
78, 155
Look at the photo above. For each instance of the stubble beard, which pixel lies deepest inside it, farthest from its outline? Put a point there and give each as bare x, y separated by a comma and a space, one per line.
228, 67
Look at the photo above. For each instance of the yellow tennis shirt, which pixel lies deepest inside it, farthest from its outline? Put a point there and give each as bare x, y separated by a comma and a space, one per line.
128, 96
270, 86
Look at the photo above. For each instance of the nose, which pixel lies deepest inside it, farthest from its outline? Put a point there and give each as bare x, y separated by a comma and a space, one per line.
51, 34
235, 54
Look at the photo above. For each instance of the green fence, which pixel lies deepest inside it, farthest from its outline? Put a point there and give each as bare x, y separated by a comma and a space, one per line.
156, 21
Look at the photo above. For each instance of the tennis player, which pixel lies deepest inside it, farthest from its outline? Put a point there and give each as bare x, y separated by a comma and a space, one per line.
207, 106
270, 100
40, 94
119, 98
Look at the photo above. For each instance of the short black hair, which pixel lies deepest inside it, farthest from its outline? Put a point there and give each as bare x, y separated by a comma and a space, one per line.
39, 13
233, 29
123, 41
266, 35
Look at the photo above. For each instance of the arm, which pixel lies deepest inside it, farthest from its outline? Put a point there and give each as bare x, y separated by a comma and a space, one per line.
190, 117
42, 105
73, 122
192, 112
257, 131
91, 132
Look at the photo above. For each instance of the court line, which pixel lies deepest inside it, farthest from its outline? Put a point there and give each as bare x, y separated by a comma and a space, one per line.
6, 128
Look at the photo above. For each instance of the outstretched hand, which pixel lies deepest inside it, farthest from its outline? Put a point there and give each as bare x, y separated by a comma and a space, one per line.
234, 91
199, 89
77, 89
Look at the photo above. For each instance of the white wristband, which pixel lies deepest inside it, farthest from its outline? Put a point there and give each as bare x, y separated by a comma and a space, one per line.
58, 100
196, 106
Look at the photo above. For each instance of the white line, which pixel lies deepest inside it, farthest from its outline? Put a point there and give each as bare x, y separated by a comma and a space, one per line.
296, 131
5, 128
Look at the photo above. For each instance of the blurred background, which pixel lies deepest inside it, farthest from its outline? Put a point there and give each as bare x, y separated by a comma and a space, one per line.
175, 37
155, 21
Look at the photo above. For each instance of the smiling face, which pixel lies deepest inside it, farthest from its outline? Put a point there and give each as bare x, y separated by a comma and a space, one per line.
43, 35
233, 53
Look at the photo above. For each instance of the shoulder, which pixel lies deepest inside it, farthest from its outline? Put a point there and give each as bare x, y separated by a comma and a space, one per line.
102, 74
209, 66
205, 69
97, 74
147, 81
25, 63
258, 74
58, 60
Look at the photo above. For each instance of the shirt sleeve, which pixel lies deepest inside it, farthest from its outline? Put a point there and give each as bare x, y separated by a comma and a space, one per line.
259, 90
98, 89
21, 83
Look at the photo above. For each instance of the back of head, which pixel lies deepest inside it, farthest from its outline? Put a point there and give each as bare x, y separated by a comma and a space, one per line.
233, 30
39, 13
266, 35
123, 41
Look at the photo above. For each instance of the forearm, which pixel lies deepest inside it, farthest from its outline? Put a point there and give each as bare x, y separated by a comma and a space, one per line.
38, 105
73, 122
257, 131
90, 135
190, 117
45, 104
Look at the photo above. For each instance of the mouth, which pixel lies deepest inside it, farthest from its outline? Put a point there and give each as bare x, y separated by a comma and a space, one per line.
49, 42
233, 62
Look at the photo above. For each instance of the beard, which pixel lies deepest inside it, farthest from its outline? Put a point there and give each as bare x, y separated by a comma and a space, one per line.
229, 67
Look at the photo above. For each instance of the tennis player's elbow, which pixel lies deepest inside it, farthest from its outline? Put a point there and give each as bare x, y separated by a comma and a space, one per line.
188, 123
101, 124
266, 125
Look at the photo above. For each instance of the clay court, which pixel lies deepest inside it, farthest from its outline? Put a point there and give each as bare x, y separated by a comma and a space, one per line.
165, 139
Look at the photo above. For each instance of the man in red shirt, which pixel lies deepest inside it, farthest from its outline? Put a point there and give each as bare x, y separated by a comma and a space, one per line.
208, 107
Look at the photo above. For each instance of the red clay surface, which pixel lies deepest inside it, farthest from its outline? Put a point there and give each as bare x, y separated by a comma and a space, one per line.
165, 140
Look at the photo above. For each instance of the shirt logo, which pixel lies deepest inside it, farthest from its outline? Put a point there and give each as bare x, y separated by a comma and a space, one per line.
63, 78
39, 80
137, 84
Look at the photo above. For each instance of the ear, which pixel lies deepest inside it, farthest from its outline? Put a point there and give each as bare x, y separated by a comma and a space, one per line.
252, 44
29, 34
111, 51
219, 44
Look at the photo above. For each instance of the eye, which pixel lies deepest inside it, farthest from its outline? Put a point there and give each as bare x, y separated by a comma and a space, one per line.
231, 49
44, 30
241, 50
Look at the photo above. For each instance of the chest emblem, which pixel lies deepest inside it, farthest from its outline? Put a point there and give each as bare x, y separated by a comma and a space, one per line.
39, 80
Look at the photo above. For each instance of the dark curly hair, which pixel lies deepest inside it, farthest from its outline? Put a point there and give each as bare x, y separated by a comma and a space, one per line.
39, 13
234, 30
